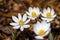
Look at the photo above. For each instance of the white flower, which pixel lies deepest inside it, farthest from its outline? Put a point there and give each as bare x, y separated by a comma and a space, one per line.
48, 14
33, 13
20, 22
41, 29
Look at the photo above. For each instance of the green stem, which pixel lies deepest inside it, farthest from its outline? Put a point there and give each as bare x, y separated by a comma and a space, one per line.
15, 35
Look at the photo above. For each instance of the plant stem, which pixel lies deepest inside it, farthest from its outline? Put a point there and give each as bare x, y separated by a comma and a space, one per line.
15, 35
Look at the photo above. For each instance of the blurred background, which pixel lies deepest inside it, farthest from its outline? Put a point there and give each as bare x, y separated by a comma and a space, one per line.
8, 8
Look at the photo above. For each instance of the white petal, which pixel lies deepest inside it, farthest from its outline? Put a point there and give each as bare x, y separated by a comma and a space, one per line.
31, 18
39, 37
28, 13
24, 17
26, 26
38, 9
48, 9
38, 22
44, 22
36, 27
21, 28
34, 9
47, 26
48, 20
43, 14
38, 14
30, 9
13, 24
44, 11
54, 16
19, 16
27, 21
15, 19
43, 18
52, 12
16, 27
44, 25
47, 32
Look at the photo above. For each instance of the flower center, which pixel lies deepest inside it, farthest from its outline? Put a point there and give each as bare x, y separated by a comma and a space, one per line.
21, 22
48, 15
41, 32
33, 14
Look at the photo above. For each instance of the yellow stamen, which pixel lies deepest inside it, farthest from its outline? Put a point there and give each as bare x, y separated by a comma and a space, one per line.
33, 14
41, 32
48, 15
21, 22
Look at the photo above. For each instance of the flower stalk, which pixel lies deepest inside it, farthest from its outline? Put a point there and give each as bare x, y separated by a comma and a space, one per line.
15, 35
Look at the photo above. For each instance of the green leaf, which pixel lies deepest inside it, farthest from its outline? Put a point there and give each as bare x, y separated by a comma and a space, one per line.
51, 36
